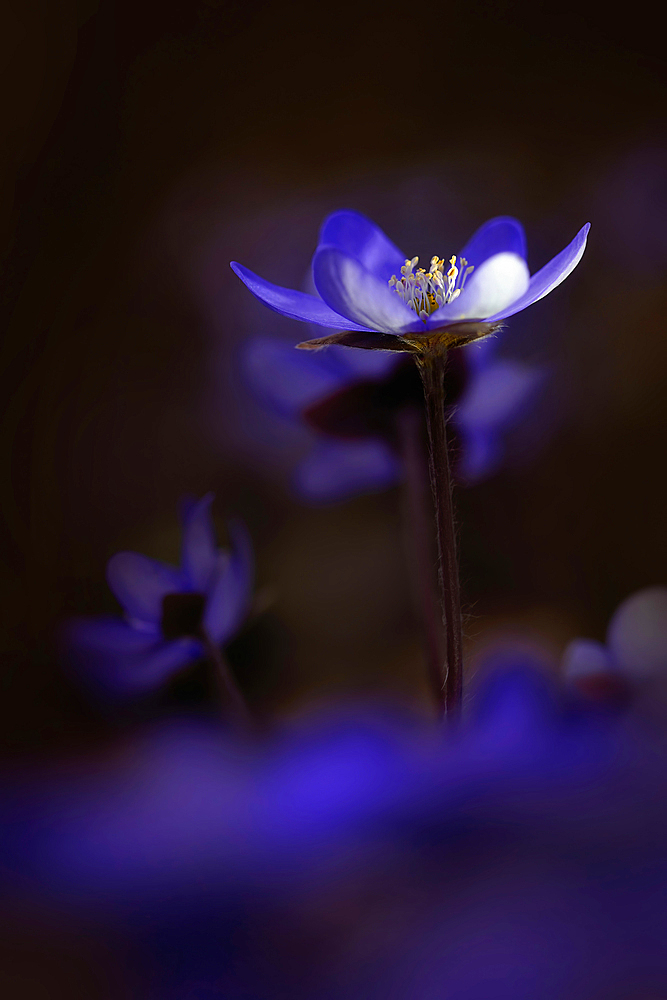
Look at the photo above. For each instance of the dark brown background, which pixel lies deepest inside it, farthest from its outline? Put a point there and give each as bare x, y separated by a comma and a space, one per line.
147, 143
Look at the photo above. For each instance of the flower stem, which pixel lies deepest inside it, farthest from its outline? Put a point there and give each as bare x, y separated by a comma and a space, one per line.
418, 522
431, 365
230, 694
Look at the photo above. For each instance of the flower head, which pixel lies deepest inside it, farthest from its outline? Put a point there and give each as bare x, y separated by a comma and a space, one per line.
356, 272
168, 610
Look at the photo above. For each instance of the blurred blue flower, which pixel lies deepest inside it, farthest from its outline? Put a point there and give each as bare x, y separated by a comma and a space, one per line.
365, 285
497, 394
635, 650
358, 855
168, 610
353, 398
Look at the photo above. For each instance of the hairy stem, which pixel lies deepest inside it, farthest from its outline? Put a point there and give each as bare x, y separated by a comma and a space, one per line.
431, 366
418, 521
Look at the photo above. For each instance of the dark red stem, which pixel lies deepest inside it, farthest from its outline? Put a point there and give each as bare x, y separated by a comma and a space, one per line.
420, 544
432, 366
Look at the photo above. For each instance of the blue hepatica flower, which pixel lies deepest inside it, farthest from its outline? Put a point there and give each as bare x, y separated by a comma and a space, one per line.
352, 399
170, 612
377, 298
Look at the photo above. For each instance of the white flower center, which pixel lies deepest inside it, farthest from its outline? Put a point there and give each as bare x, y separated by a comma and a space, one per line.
425, 291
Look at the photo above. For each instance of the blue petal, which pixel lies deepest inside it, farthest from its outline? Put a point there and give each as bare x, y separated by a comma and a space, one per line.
637, 634
586, 658
295, 305
358, 237
495, 396
198, 551
499, 235
230, 592
515, 708
481, 453
339, 470
140, 583
117, 659
288, 380
497, 283
550, 276
346, 286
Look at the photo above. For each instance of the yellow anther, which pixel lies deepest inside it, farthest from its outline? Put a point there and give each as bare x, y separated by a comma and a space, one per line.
425, 291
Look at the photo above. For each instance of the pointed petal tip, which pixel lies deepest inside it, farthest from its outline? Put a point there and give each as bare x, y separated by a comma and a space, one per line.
117, 560
190, 503
291, 303
230, 593
502, 233
550, 276
582, 235
198, 546
207, 499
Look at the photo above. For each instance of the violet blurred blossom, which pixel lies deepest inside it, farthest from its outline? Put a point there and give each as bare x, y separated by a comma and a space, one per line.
359, 855
169, 612
636, 643
352, 399
355, 269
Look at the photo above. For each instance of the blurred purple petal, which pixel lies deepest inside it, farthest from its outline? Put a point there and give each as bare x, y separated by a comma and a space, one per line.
293, 304
231, 590
359, 856
185, 805
359, 237
637, 634
140, 584
198, 550
288, 380
117, 659
479, 355
585, 658
336, 470
481, 453
500, 235
550, 276
496, 396
353, 291
494, 399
